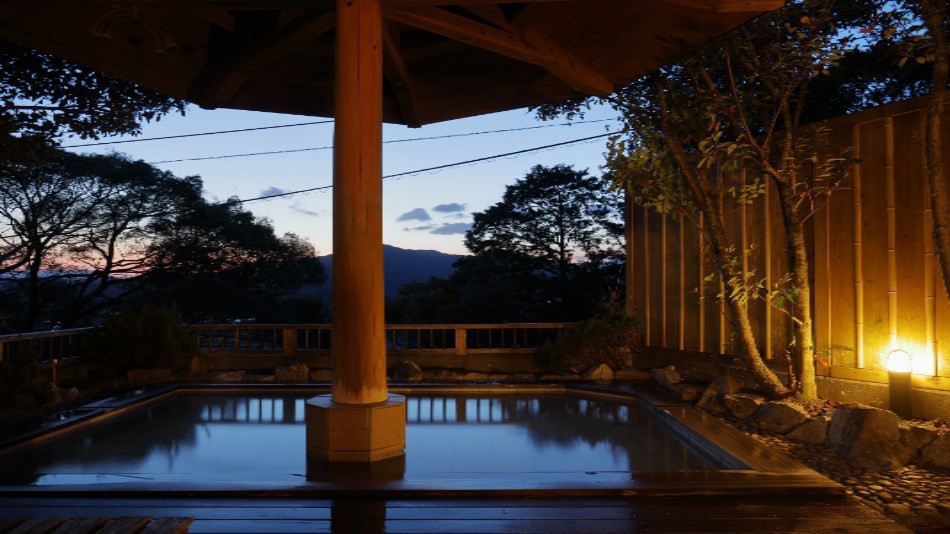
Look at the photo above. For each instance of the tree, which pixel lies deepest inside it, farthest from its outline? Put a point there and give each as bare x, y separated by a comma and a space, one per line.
82, 233
557, 224
739, 102
920, 30
43, 97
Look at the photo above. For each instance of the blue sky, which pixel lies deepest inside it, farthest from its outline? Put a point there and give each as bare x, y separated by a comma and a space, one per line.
429, 210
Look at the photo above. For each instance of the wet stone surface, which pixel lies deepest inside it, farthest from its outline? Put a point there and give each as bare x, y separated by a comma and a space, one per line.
913, 496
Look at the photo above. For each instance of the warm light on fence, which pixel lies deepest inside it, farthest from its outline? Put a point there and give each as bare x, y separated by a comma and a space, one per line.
900, 361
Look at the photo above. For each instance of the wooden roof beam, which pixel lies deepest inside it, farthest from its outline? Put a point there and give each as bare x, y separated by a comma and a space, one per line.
531, 47
395, 70
222, 77
731, 6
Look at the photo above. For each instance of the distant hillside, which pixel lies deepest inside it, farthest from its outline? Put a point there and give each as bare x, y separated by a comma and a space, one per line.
401, 267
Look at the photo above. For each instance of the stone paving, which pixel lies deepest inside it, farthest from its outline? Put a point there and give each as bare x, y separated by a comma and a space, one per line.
913, 496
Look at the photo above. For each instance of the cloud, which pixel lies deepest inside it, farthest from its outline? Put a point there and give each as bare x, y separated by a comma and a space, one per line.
271, 191
422, 228
450, 208
300, 209
452, 228
417, 214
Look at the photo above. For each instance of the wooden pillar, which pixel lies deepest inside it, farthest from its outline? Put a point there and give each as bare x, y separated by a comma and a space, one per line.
359, 424
359, 342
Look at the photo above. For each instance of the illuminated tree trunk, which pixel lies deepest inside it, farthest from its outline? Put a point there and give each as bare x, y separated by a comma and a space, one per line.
935, 13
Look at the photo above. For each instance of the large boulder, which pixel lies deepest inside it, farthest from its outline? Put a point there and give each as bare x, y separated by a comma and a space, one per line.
599, 373
866, 436
723, 385
408, 372
742, 405
779, 416
915, 437
666, 377
937, 454
293, 373
631, 374
813, 431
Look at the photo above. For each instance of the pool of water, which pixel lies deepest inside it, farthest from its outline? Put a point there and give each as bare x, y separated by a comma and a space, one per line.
255, 435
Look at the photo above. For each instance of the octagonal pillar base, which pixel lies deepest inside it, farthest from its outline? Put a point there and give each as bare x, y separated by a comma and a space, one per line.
355, 433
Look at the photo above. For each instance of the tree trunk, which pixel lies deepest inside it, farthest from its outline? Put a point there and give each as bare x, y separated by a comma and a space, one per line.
934, 12
802, 318
723, 257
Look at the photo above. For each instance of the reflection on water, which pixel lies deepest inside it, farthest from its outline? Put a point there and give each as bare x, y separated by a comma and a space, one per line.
258, 436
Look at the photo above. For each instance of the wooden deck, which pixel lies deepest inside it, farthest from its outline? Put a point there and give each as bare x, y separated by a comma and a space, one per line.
486, 515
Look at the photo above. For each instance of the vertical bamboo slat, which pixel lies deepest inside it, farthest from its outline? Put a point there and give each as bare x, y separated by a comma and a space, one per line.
858, 249
890, 211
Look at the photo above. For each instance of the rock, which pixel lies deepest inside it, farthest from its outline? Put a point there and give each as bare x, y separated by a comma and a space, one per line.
742, 405
631, 374
558, 378
725, 384
445, 375
321, 375
228, 376
198, 365
294, 373
813, 431
937, 454
600, 373
476, 377
666, 377
408, 372
256, 378
897, 509
915, 437
866, 436
514, 376
686, 392
779, 416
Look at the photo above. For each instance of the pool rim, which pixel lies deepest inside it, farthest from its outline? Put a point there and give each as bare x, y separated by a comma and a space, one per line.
764, 471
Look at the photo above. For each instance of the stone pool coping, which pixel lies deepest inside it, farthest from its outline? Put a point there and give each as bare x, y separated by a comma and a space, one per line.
752, 468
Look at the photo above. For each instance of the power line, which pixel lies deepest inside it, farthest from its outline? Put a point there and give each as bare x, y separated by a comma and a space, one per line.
429, 169
98, 143
413, 139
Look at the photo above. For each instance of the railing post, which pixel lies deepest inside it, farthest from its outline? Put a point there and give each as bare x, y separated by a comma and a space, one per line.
461, 340
290, 341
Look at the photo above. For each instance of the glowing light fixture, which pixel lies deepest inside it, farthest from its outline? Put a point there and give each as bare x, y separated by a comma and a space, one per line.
900, 361
899, 366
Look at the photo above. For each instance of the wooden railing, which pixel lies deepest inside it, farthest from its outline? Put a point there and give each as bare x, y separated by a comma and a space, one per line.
458, 339
45, 346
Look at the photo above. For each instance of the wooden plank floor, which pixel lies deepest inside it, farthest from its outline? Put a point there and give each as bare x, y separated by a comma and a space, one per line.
489, 515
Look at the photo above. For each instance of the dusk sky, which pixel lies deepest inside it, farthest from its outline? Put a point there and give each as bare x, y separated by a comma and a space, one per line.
431, 210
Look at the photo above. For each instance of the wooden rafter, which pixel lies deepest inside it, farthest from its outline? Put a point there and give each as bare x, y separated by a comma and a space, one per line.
489, 13
731, 6
223, 77
399, 78
537, 49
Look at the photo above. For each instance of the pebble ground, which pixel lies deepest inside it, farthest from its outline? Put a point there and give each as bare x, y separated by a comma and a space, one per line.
913, 496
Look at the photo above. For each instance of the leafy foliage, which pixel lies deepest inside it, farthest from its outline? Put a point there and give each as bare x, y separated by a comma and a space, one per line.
23, 385
141, 339
43, 97
605, 338
80, 234
549, 251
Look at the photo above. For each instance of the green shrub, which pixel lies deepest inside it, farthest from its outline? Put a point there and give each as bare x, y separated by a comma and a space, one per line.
24, 388
145, 338
603, 339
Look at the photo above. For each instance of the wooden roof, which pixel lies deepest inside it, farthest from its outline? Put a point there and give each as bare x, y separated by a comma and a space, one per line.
444, 59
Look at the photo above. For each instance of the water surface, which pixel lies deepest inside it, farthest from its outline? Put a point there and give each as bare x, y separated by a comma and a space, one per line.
261, 436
